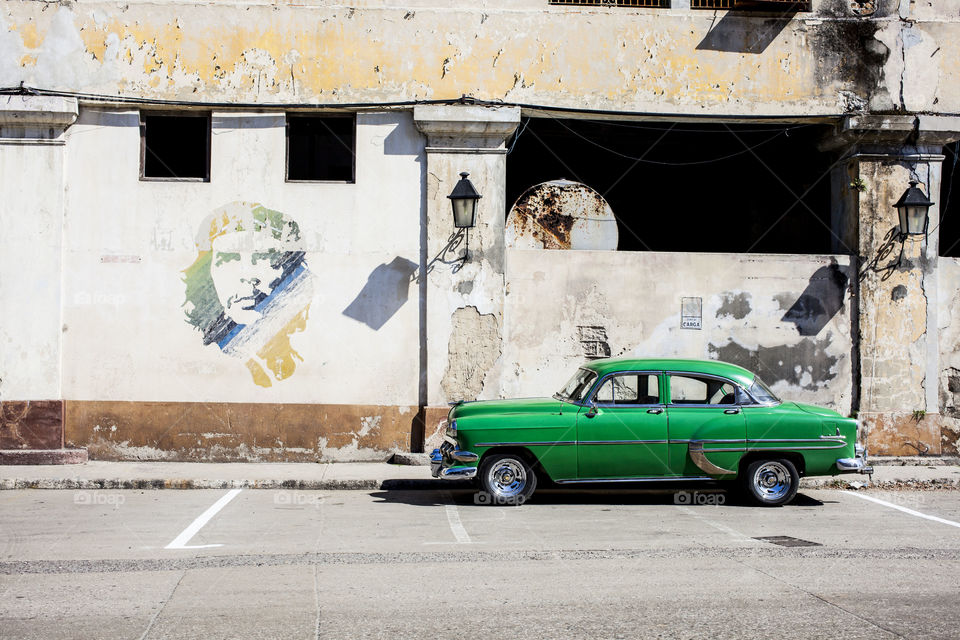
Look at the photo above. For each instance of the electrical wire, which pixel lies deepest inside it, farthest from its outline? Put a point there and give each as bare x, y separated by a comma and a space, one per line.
663, 163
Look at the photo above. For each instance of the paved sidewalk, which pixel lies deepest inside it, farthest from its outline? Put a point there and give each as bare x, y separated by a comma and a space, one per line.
362, 476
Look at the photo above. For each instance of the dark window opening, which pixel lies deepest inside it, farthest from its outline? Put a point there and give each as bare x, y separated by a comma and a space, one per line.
321, 148
175, 147
696, 187
949, 202
653, 4
768, 5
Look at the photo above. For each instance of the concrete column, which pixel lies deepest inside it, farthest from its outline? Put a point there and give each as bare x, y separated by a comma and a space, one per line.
897, 296
464, 297
31, 219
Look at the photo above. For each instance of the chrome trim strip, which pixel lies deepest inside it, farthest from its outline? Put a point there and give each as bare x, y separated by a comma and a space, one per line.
768, 440
820, 439
639, 479
775, 448
525, 444
634, 406
622, 442
700, 459
702, 406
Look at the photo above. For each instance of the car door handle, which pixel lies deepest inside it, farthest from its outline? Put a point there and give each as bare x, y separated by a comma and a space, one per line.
655, 410
732, 411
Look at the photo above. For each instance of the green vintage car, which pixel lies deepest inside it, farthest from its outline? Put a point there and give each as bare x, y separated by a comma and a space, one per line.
654, 420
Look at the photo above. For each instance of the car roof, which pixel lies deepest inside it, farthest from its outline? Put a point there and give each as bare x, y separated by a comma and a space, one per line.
713, 367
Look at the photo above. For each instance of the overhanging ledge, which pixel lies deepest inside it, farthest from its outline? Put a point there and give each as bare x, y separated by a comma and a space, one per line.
35, 118
466, 128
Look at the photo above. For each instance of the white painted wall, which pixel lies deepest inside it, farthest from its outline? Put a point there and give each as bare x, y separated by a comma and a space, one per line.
636, 297
128, 241
31, 181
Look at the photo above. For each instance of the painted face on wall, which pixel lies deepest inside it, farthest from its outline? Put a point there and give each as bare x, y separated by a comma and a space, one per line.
245, 267
249, 289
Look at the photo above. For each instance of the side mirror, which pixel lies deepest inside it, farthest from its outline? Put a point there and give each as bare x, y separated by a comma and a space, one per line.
593, 409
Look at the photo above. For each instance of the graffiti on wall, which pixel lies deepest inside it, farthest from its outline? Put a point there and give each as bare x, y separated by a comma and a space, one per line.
249, 289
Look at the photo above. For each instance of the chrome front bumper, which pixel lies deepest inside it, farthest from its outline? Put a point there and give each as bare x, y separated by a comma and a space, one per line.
855, 465
456, 472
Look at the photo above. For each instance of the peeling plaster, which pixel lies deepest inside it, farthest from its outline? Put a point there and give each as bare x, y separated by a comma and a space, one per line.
806, 364
473, 350
295, 53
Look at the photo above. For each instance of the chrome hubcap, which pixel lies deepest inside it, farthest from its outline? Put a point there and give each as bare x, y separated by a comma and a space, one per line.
507, 478
772, 481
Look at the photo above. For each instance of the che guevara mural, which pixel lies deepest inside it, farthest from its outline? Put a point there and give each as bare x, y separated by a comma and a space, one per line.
249, 289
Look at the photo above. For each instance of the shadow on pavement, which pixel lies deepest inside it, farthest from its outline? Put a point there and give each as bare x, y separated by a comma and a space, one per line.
464, 494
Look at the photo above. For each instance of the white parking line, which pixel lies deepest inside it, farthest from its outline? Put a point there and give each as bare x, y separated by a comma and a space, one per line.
904, 509
453, 517
180, 542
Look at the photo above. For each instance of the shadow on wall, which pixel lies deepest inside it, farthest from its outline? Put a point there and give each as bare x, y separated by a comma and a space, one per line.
739, 33
820, 301
386, 290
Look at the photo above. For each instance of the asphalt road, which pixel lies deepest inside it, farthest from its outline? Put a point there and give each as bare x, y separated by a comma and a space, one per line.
418, 564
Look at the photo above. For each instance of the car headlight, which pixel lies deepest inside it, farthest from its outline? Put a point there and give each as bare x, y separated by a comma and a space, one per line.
452, 429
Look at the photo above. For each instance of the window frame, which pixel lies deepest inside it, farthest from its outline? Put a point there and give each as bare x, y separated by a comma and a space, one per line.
143, 113
739, 391
286, 146
592, 397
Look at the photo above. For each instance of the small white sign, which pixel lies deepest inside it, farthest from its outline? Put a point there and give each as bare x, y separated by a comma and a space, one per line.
691, 313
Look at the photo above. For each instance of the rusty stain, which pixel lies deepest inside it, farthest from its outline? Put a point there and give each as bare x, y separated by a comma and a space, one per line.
546, 215
238, 432
31, 424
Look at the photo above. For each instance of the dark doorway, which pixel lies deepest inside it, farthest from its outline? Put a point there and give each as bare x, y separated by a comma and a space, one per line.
949, 204
702, 187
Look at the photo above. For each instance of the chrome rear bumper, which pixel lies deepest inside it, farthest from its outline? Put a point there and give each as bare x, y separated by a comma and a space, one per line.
857, 464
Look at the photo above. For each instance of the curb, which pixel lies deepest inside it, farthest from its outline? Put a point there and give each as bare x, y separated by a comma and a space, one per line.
77, 484
42, 456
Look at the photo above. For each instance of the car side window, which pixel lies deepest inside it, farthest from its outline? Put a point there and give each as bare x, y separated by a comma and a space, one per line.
691, 389
629, 388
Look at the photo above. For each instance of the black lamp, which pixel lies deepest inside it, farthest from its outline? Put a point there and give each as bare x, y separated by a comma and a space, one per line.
912, 207
464, 199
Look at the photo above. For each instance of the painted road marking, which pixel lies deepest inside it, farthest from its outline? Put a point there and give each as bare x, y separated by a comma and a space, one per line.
180, 542
453, 517
904, 509
733, 533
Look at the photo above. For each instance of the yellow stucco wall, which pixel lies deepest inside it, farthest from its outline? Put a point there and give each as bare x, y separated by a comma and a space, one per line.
527, 52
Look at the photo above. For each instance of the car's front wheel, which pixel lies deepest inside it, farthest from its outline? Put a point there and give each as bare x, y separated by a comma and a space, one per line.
771, 483
507, 478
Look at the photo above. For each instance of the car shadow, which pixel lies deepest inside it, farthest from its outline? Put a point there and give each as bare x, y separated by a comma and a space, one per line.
465, 494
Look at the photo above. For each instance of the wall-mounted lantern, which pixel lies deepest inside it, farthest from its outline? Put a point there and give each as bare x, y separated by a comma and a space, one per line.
912, 207
464, 199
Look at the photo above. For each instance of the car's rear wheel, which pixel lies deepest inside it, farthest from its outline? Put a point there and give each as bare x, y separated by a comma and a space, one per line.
507, 478
771, 483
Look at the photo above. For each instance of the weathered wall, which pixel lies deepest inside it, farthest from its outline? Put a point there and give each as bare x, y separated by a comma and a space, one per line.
31, 216
785, 317
133, 252
827, 61
949, 318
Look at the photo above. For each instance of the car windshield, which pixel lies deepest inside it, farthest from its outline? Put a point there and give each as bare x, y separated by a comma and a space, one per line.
579, 384
762, 393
